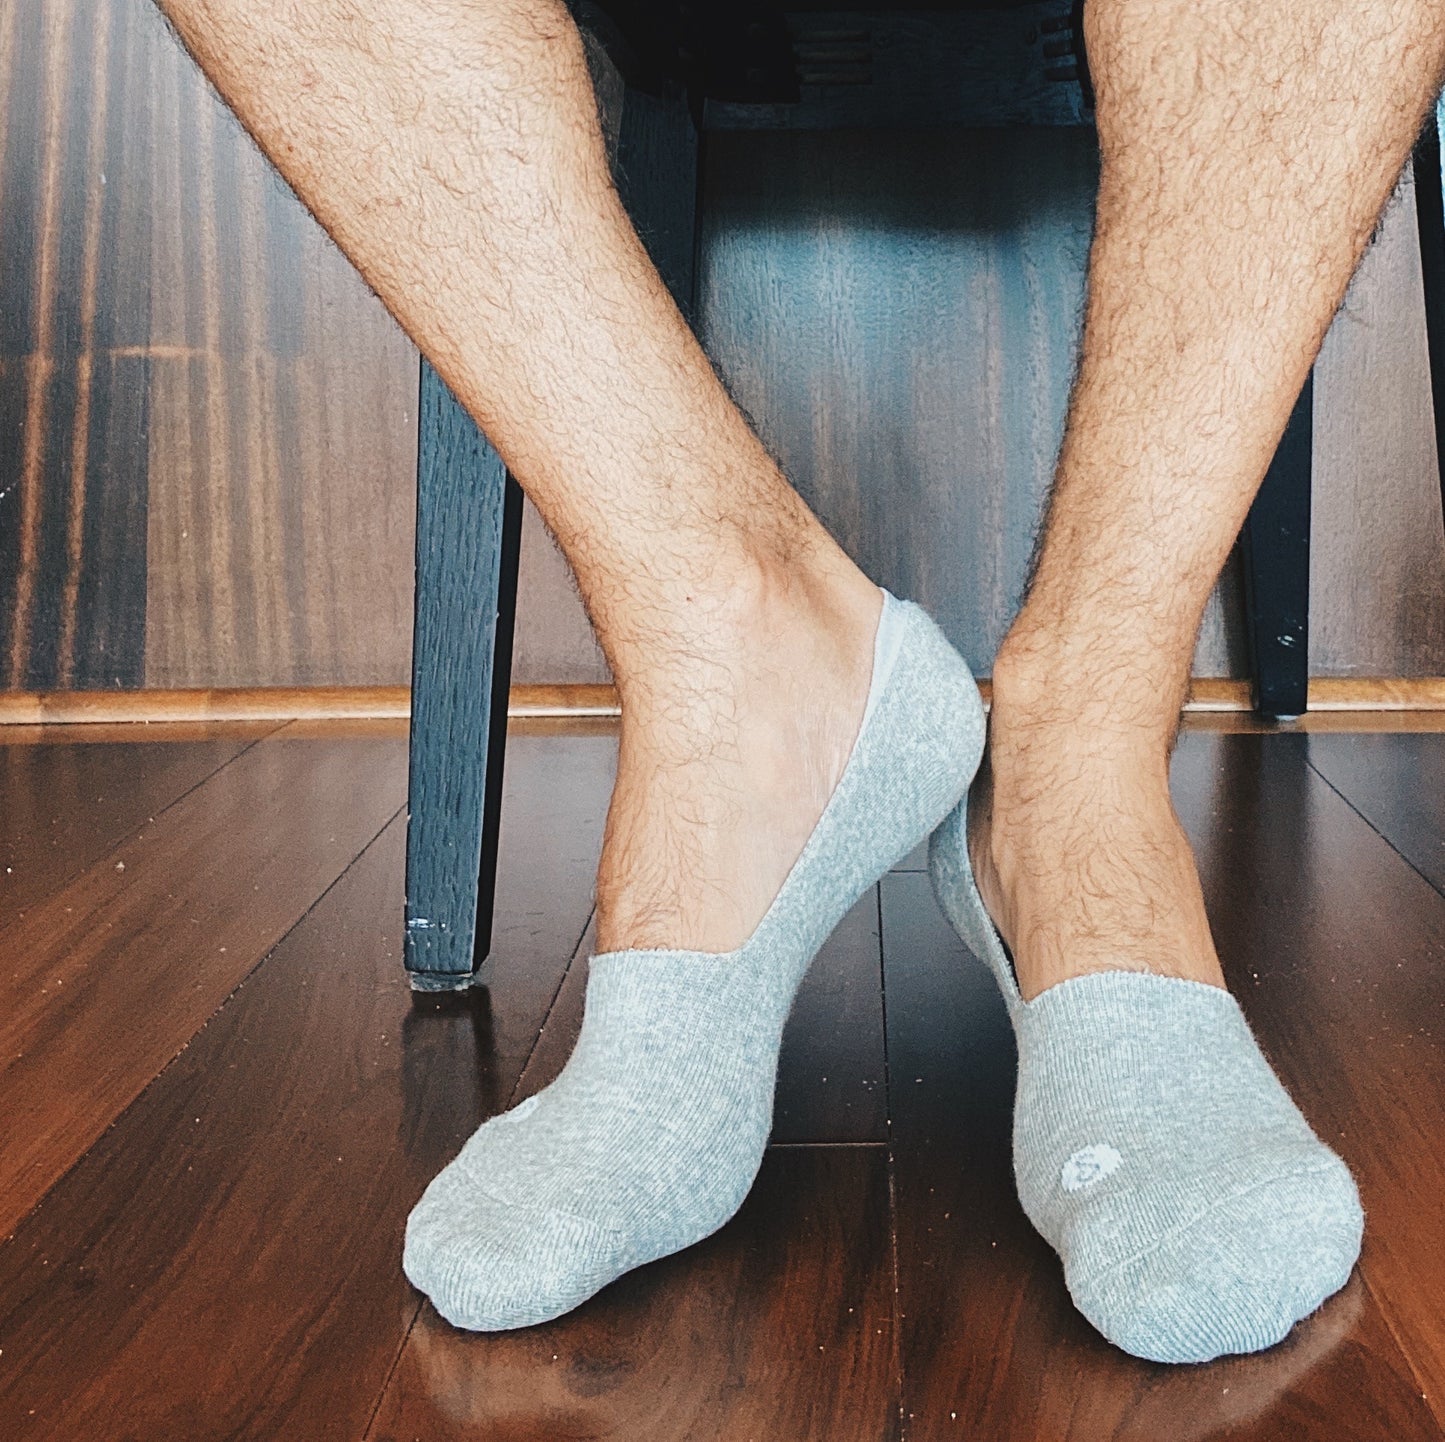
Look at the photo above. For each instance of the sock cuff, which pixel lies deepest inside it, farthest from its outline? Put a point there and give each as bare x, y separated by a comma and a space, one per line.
887, 644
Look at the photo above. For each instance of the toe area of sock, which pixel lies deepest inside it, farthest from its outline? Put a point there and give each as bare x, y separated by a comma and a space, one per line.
1239, 1278
491, 1267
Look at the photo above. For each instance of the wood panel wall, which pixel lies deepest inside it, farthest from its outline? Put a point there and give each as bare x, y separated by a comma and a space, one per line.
208, 423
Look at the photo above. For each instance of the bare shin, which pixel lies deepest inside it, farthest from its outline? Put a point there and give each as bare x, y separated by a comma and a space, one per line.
1247, 151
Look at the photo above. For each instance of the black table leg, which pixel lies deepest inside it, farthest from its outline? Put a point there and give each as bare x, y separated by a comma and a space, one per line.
1275, 548
468, 534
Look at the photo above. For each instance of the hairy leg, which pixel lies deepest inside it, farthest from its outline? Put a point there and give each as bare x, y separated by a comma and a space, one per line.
453, 150
1247, 151
1248, 147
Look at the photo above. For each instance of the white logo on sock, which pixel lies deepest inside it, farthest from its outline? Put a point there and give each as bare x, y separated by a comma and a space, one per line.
1089, 1165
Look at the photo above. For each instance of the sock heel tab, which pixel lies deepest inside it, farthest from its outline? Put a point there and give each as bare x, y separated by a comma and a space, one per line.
951, 873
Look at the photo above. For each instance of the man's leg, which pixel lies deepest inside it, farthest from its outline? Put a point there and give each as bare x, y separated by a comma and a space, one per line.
1248, 147
1247, 151
453, 150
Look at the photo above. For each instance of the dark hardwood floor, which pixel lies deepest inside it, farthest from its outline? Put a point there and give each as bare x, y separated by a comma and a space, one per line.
220, 1100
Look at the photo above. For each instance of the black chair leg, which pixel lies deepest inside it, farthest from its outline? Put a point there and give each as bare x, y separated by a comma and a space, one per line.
1275, 549
468, 535
1430, 216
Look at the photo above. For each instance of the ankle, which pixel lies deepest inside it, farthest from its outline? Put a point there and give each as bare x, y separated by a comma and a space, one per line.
741, 623
1073, 838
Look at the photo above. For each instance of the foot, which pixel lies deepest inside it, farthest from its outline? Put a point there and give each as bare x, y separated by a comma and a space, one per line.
1194, 1210
651, 1136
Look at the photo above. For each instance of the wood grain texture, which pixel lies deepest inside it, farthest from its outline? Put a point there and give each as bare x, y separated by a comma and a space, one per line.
1332, 943
183, 443
285, 420
1376, 573
355, 1094
104, 980
67, 802
283, 703
248, 703
281, 1283
125, 733
222, 1261
177, 1254
468, 535
1360, 703
362, 1096
73, 414
551, 835
1397, 783
898, 313
832, 1072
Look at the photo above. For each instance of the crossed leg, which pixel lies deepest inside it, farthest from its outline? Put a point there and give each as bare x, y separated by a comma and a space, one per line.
453, 150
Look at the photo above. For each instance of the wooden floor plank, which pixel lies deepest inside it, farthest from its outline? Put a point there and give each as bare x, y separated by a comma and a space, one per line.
64, 804
225, 1261
990, 1344
1397, 783
831, 1071
556, 794
236, 1235
109, 977
776, 1327
562, 1026
253, 1174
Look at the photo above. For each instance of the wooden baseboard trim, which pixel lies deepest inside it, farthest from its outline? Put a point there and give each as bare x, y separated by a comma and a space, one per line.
576, 700
1331, 693
350, 703
246, 703
275, 703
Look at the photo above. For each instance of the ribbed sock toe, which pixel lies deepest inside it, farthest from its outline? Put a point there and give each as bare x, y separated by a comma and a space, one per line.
652, 1135
1194, 1210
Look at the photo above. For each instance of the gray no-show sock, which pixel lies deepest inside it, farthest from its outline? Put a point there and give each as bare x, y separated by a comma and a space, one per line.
652, 1135
1195, 1211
